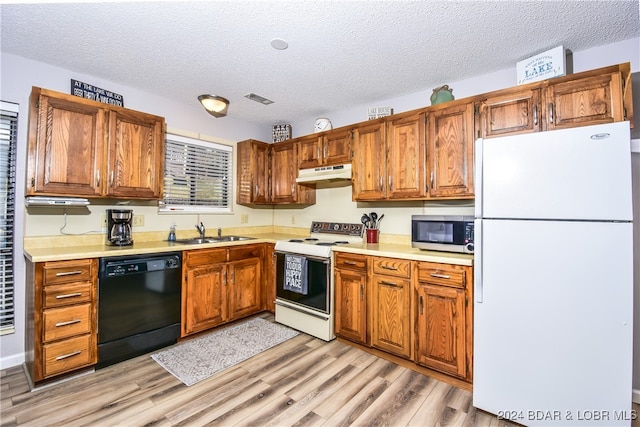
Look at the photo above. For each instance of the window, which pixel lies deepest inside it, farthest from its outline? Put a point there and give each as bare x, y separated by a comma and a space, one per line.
197, 176
8, 141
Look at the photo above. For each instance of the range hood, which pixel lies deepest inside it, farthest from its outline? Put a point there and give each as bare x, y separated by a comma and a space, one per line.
325, 173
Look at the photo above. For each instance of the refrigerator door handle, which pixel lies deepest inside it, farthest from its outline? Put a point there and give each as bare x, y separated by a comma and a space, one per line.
478, 288
478, 178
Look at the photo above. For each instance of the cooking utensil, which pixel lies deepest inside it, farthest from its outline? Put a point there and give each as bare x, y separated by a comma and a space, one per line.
374, 218
378, 221
365, 220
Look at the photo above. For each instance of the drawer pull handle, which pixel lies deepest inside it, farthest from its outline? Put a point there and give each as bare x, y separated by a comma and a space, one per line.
389, 267
395, 285
75, 294
440, 276
65, 356
351, 263
68, 273
70, 322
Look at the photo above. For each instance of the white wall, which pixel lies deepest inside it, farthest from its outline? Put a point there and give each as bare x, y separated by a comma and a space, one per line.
333, 200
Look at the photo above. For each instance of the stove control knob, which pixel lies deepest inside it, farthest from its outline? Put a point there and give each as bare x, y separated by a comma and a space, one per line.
336, 227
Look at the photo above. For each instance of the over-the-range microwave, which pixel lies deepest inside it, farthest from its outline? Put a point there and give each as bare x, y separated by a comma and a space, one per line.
442, 233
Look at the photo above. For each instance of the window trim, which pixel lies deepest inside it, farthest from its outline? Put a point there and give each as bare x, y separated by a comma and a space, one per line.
164, 208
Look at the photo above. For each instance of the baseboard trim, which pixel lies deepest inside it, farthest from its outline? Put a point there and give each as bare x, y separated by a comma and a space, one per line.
11, 361
635, 396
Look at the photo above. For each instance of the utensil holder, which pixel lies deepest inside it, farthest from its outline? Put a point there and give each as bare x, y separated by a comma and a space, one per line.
372, 235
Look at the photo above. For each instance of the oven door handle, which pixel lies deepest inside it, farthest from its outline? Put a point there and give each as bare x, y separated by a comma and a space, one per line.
315, 258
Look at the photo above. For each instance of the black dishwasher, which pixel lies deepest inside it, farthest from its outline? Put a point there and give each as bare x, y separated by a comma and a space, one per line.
138, 305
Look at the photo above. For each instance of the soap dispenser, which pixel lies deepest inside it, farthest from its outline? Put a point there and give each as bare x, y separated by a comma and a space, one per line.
172, 234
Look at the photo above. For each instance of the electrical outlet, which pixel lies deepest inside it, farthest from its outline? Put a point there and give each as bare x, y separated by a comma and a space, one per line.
103, 221
293, 219
244, 218
138, 220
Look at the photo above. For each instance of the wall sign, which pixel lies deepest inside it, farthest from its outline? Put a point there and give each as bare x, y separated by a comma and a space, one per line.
94, 93
281, 132
542, 66
377, 112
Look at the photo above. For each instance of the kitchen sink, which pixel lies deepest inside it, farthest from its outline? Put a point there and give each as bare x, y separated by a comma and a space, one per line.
200, 240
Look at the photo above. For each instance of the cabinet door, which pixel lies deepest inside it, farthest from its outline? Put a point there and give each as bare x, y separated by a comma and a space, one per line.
406, 157
441, 329
390, 315
350, 305
66, 145
369, 162
284, 169
244, 289
586, 101
450, 152
336, 147
204, 298
136, 155
310, 151
511, 114
253, 173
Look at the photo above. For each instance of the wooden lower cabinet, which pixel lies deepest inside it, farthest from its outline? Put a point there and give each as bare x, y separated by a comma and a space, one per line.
220, 285
391, 306
443, 326
62, 301
413, 310
270, 278
351, 297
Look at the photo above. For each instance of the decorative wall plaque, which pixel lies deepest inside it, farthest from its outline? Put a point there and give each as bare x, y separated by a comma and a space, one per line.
94, 93
377, 112
281, 132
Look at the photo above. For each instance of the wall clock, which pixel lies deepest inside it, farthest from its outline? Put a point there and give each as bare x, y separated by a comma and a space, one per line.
322, 124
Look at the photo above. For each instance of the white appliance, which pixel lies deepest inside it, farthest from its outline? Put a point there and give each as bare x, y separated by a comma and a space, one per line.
310, 308
553, 287
325, 173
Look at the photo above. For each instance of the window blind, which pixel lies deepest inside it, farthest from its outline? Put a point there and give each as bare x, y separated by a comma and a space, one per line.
197, 177
8, 142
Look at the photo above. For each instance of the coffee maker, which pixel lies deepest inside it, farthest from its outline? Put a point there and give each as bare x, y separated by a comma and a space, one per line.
119, 222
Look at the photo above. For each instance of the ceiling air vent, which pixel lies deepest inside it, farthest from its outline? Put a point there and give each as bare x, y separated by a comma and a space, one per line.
258, 98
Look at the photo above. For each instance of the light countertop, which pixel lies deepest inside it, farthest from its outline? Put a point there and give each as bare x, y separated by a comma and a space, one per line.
55, 251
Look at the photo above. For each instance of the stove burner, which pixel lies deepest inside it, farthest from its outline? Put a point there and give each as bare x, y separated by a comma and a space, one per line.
325, 243
341, 242
311, 239
296, 240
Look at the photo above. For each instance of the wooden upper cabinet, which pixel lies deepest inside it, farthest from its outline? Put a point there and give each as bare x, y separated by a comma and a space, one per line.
253, 184
326, 149
66, 145
450, 152
79, 147
585, 101
369, 173
406, 157
511, 113
136, 155
267, 173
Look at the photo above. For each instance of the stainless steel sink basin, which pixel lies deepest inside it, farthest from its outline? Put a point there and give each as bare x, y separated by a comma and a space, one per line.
200, 240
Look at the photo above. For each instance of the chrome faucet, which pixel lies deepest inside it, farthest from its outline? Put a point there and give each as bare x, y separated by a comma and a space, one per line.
201, 230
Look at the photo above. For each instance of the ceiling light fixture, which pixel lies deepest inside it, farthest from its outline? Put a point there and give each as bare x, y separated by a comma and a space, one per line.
215, 105
279, 44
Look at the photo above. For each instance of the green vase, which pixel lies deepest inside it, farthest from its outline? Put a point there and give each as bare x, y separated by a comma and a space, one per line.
441, 94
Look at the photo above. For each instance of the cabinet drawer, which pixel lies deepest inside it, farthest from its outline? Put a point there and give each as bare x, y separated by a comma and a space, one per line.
66, 322
205, 257
351, 261
59, 295
442, 274
392, 267
67, 271
68, 355
243, 252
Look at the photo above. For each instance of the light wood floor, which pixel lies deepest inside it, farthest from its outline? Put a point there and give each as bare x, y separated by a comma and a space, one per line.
302, 382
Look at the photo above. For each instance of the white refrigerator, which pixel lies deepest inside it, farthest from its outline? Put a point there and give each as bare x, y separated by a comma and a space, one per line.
553, 277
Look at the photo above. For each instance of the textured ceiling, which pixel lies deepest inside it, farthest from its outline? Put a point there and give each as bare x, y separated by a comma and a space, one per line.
341, 53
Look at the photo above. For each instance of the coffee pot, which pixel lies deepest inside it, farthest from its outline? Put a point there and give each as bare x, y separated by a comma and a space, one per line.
119, 222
